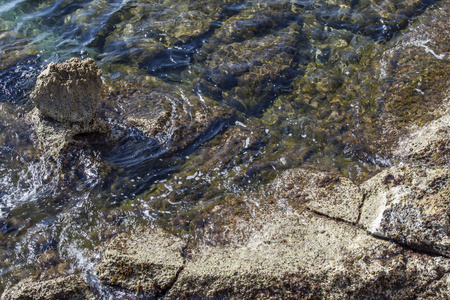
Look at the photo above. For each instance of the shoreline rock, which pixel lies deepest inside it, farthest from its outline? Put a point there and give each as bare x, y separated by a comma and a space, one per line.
409, 204
147, 263
69, 92
68, 287
313, 246
66, 96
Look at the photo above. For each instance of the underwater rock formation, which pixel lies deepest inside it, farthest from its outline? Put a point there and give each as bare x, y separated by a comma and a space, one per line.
69, 92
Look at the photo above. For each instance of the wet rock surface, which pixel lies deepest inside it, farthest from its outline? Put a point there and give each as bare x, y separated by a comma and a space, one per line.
147, 263
413, 88
69, 287
176, 120
208, 101
69, 92
428, 145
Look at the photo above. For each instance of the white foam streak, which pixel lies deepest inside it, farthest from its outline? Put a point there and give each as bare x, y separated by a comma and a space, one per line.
9, 6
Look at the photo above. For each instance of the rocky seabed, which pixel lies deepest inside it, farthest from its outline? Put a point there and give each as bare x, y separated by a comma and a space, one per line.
319, 236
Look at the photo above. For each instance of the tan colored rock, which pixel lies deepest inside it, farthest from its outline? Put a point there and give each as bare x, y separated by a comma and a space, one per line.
306, 256
438, 289
69, 287
68, 92
429, 144
146, 262
326, 193
410, 205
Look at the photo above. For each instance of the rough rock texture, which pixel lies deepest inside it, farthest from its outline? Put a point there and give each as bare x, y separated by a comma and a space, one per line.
54, 137
148, 262
304, 255
410, 204
439, 289
414, 73
68, 92
326, 193
69, 287
430, 144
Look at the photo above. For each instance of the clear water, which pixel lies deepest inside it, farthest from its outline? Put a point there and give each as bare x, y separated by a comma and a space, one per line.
297, 77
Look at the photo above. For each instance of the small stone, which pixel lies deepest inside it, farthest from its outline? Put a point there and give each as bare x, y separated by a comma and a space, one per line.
68, 92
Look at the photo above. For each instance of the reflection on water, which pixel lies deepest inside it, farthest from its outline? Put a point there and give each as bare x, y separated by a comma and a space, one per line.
208, 100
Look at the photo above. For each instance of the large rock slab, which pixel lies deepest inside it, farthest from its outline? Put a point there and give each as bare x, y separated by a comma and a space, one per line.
147, 262
69, 287
69, 92
304, 255
323, 192
410, 205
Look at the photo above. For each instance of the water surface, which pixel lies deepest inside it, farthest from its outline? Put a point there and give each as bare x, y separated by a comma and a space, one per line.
250, 88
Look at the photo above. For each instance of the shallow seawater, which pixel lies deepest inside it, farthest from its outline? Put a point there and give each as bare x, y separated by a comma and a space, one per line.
245, 89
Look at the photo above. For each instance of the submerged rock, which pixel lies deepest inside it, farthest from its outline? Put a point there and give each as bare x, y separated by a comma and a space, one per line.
430, 144
69, 287
69, 92
252, 58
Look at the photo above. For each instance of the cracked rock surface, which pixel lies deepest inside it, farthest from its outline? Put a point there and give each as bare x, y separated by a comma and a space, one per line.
410, 204
297, 255
148, 262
